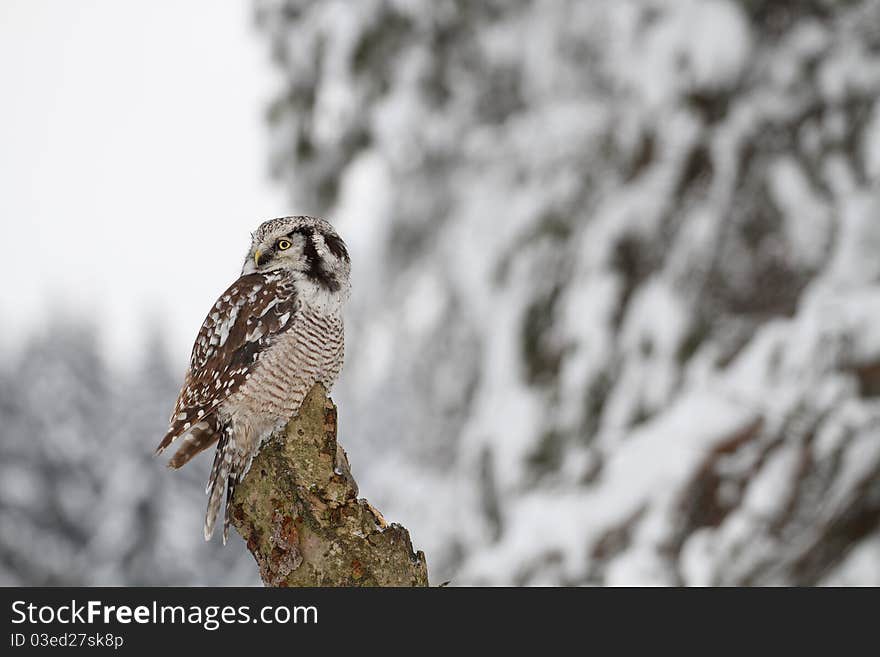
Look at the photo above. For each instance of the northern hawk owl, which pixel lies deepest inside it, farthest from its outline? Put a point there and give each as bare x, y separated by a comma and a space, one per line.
273, 334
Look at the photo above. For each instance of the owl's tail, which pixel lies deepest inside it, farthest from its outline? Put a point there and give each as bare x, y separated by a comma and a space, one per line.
230, 491
221, 472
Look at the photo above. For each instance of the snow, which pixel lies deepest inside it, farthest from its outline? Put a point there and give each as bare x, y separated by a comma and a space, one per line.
861, 567
642, 478
618, 278
693, 45
808, 227
614, 306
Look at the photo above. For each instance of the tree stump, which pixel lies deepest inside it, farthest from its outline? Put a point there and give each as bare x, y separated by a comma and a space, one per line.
298, 511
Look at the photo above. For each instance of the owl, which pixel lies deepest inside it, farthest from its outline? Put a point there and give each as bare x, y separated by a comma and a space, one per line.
273, 334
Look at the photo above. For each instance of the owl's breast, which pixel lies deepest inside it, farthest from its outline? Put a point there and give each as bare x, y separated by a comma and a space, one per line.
310, 351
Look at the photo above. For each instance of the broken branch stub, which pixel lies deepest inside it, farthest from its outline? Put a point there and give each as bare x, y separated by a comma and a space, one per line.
298, 511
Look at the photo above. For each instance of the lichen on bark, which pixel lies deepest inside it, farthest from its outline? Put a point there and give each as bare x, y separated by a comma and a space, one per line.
299, 513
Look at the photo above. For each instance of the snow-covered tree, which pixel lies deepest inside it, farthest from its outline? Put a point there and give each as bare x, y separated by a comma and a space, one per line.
615, 306
615, 278
83, 500
53, 417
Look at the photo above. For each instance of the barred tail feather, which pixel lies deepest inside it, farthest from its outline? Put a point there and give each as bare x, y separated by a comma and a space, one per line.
236, 474
217, 482
227, 517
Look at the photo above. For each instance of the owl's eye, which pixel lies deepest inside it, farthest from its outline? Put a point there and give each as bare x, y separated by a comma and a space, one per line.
283, 245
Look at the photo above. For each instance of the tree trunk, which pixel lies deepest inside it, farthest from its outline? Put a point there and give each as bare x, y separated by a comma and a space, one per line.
298, 511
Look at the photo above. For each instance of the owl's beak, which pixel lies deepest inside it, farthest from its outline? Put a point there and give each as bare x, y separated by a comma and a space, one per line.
257, 255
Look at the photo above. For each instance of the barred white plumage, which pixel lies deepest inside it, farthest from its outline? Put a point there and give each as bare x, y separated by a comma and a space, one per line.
273, 334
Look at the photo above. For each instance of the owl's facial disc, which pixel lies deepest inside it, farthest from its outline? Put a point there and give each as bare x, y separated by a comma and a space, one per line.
282, 252
307, 247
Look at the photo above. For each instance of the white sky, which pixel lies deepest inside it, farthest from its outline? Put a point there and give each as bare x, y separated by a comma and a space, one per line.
133, 162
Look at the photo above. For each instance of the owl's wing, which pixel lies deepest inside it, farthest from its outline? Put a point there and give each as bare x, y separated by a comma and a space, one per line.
245, 319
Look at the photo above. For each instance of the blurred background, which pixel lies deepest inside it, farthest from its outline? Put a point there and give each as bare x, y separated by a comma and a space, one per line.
616, 277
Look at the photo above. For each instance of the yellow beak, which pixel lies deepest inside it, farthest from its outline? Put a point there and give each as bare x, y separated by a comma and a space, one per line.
257, 255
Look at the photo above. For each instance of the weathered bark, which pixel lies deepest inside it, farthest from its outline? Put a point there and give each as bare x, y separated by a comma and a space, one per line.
298, 511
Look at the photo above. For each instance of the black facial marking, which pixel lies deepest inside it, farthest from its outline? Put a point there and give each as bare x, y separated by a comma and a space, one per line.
315, 269
305, 231
336, 246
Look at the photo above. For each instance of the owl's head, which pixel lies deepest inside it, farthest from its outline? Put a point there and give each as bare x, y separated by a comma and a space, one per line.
308, 247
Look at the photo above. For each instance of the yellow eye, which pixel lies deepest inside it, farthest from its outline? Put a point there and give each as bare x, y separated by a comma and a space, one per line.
283, 245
